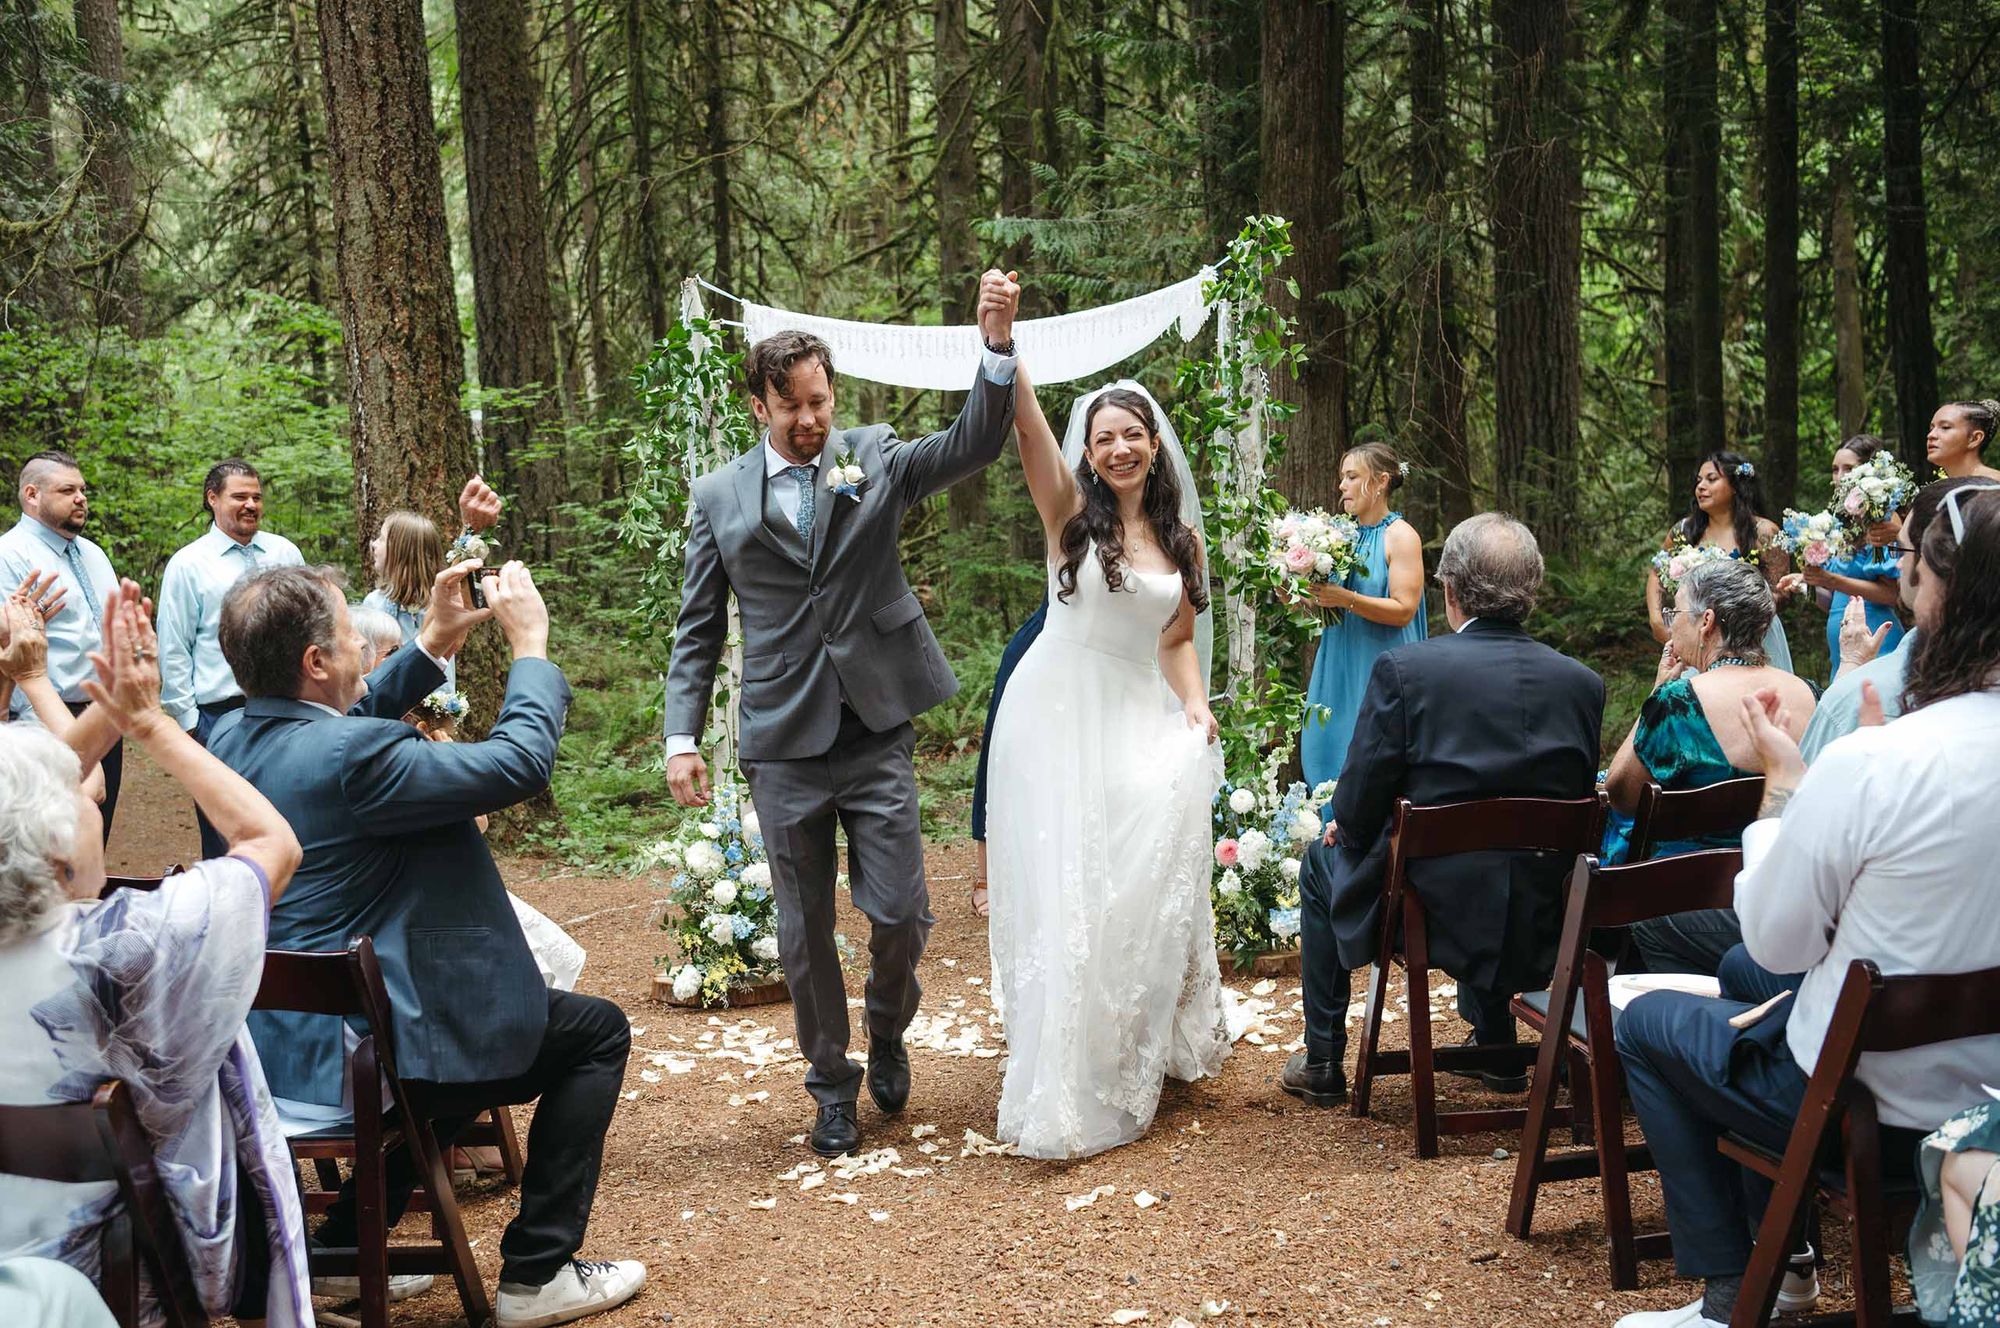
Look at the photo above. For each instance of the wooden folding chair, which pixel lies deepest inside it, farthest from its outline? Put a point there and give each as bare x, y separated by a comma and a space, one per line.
1873, 1014
1505, 824
348, 983
1579, 1002
1719, 809
99, 1140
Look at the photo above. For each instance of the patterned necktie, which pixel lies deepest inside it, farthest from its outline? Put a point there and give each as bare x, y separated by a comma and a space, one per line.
805, 475
74, 557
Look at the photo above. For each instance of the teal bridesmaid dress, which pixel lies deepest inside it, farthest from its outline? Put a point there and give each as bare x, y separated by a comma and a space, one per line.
1347, 651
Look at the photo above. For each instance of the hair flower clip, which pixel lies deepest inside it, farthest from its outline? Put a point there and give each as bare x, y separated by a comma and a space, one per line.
1746, 470
1403, 469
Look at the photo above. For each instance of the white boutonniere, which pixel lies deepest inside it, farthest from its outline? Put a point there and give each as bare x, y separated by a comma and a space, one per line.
844, 476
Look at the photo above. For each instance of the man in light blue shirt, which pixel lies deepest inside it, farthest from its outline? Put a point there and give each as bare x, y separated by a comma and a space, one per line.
55, 505
196, 684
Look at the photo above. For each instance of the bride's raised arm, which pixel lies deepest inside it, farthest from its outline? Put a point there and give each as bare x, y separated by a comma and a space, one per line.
1050, 482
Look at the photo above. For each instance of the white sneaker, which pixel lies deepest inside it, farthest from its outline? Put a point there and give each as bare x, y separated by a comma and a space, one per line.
349, 1288
587, 1286
1687, 1316
1799, 1291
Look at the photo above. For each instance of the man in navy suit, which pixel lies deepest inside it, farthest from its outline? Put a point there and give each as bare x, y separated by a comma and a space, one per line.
1486, 712
391, 852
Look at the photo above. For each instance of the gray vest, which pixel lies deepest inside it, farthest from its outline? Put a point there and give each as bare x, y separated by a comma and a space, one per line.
775, 519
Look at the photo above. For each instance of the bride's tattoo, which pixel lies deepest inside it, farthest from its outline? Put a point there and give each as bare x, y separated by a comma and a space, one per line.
1775, 798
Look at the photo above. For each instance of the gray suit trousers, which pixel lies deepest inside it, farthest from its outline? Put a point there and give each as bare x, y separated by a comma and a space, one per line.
867, 784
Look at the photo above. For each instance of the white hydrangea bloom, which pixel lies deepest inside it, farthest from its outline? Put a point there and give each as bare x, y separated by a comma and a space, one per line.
1252, 846
723, 892
704, 860
758, 874
710, 830
1230, 882
1305, 825
721, 928
752, 827
765, 948
1241, 801
1289, 869
687, 982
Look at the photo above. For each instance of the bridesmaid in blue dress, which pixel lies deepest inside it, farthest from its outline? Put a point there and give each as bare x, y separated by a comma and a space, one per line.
1381, 607
1868, 574
1728, 513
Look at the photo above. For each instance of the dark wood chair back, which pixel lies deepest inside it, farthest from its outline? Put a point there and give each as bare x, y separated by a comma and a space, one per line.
1719, 809
1602, 899
1873, 1014
137, 882
1547, 825
101, 1140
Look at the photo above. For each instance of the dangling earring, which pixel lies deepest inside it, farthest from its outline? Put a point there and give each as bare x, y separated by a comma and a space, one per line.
1093, 474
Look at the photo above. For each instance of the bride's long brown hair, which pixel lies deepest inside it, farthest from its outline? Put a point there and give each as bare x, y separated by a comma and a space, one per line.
1099, 520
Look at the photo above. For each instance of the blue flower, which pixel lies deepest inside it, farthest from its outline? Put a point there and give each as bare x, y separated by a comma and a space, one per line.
744, 927
1284, 923
734, 853
756, 894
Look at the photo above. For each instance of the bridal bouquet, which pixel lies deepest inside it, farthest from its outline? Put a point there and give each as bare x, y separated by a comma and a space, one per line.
1813, 539
1672, 564
1872, 491
721, 915
1261, 833
1308, 548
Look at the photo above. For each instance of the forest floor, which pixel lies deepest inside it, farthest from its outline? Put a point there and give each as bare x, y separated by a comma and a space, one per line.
1288, 1214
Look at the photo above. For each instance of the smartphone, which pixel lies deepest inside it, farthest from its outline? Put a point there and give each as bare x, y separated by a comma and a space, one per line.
475, 593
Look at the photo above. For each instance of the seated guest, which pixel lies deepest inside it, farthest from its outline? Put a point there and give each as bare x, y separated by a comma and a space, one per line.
381, 635
392, 852
1839, 710
149, 987
1885, 851
1486, 712
1690, 734
1960, 1216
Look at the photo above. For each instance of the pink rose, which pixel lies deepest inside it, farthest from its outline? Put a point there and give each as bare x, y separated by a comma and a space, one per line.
1288, 528
1856, 503
1300, 559
1817, 553
1677, 568
1226, 852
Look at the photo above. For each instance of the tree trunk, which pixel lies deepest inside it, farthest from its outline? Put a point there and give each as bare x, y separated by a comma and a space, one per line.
1437, 395
1537, 258
602, 375
638, 105
35, 93
306, 154
1227, 44
955, 187
1694, 242
118, 301
1850, 382
1302, 161
1024, 36
1907, 269
1781, 252
715, 118
512, 313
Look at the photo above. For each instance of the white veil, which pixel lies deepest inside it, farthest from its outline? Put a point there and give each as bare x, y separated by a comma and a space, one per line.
1170, 444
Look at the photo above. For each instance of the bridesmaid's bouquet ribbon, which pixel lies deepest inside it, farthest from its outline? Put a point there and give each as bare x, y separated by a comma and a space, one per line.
1813, 539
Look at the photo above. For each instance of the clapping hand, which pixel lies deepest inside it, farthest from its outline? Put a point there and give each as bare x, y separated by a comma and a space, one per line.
127, 685
24, 642
1871, 715
1769, 726
999, 301
478, 505
42, 592
1858, 645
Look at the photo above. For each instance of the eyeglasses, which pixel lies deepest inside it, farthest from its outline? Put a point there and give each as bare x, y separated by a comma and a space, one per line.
1950, 506
1667, 617
1899, 551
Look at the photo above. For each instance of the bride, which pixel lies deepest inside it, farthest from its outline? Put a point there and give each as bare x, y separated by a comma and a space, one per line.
1102, 777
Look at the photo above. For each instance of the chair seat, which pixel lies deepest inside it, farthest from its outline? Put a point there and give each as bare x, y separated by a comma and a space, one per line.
1538, 1001
1898, 1181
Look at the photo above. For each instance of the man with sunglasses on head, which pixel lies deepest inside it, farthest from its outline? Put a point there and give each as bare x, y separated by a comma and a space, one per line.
1839, 710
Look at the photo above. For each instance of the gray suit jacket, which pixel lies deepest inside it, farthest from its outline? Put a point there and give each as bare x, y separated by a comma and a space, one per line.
391, 852
838, 622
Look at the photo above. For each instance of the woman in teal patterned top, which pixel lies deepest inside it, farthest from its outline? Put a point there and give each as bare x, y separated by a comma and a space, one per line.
1381, 606
1955, 1242
1691, 733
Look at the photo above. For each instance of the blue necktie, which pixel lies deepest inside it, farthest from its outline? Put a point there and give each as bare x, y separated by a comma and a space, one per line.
92, 608
805, 475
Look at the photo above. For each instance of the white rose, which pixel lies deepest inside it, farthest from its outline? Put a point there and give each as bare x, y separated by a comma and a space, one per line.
723, 892
752, 827
1230, 882
687, 982
758, 874
704, 860
852, 474
765, 948
710, 830
721, 928
1289, 869
1251, 847
1305, 825
1323, 565
1241, 801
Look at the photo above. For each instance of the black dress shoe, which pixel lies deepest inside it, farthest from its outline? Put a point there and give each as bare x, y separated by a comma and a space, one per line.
835, 1132
1496, 1081
1321, 1083
889, 1074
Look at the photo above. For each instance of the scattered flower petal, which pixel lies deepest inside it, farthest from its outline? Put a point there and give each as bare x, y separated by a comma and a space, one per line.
766, 1204
1128, 1316
1076, 1201
1145, 1198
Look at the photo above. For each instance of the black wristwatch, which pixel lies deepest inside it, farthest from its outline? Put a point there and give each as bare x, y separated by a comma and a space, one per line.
1004, 348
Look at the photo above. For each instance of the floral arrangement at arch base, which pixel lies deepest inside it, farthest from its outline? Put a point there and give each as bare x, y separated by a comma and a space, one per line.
720, 911
1261, 835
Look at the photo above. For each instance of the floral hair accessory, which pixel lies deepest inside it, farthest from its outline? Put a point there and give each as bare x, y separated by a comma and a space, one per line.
1403, 469
1746, 470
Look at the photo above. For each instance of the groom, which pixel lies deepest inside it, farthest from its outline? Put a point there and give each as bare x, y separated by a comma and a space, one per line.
837, 660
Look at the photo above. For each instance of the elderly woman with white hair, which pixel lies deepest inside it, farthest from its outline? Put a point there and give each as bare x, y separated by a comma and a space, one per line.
1691, 733
148, 987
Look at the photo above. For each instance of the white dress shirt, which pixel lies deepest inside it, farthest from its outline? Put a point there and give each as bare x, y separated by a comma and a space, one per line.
1887, 852
76, 631
997, 368
193, 672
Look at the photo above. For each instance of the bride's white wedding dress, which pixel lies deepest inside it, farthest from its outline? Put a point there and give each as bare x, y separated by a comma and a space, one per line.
1098, 841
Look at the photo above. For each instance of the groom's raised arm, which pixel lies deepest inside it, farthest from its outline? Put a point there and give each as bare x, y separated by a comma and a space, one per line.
979, 434
699, 634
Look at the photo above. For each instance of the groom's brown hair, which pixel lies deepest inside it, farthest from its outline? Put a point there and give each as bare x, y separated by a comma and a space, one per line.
769, 363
